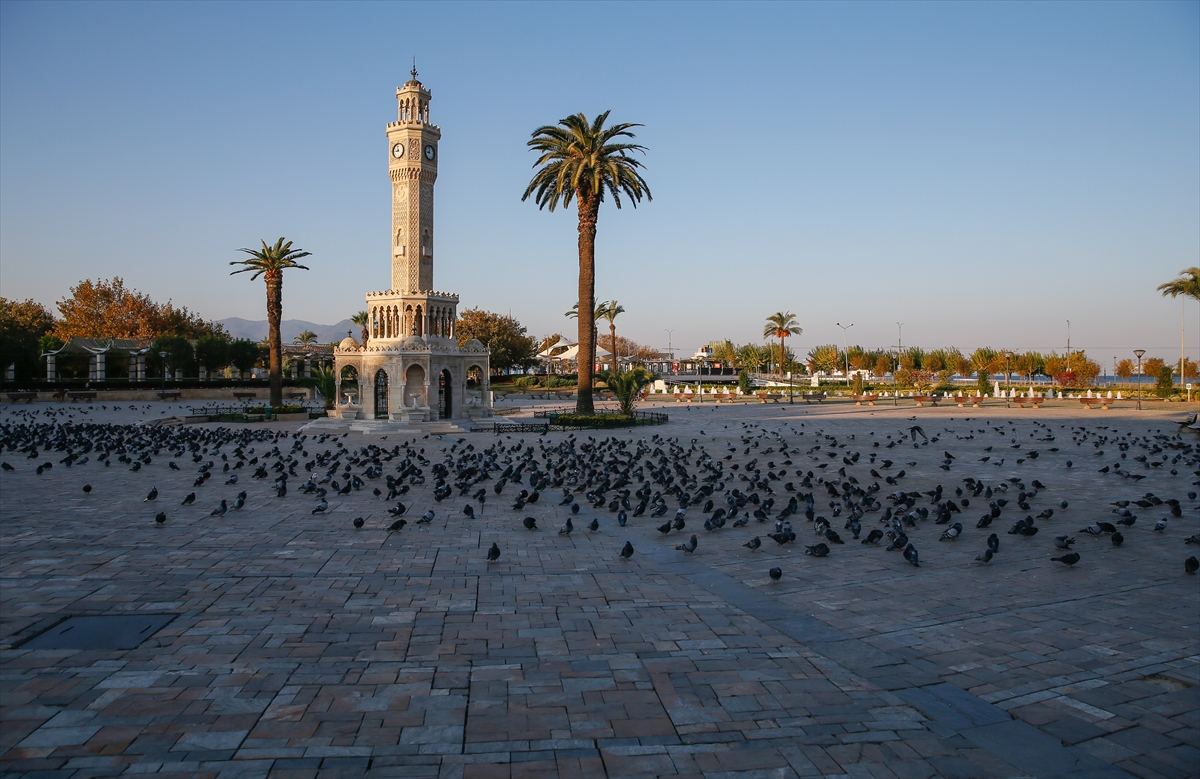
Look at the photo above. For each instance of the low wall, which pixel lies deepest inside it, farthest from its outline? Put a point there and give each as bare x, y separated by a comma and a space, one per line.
185, 395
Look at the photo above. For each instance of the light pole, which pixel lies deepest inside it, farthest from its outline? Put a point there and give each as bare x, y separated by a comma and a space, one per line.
899, 346
670, 349
163, 356
846, 346
1138, 353
1068, 346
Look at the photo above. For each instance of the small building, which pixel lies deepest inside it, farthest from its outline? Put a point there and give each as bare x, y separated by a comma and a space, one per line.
99, 353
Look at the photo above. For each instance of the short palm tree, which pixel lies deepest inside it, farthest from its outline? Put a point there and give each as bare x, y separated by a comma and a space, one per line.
609, 311
585, 162
270, 262
305, 338
626, 386
780, 325
362, 318
1188, 285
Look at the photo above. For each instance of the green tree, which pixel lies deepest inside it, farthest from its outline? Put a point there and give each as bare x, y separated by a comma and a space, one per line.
725, 353
503, 335
305, 338
585, 162
626, 386
270, 262
362, 319
243, 353
610, 310
780, 325
1188, 285
180, 354
744, 382
1164, 384
752, 357
825, 357
326, 377
22, 325
212, 352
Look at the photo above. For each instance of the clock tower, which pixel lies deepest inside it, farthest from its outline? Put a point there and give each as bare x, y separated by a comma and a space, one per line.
412, 166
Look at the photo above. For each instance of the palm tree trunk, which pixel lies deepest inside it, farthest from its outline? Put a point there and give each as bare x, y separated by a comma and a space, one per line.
612, 334
589, 209
781, 355
274, 281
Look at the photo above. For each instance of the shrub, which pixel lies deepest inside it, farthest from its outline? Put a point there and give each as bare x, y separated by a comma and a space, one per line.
525, 381
983, 382
858, 384
744, 383
1164, 385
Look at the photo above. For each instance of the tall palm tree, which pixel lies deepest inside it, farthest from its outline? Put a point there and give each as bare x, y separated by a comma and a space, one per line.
585, 161
780, 325
1188, 285
610, 310
362, 318
270, 262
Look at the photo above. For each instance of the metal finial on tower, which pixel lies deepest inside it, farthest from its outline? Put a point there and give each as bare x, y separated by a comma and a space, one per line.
414, 70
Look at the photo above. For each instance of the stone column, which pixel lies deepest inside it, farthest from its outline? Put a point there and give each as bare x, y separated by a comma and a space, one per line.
100, 366
141, 367
51, 367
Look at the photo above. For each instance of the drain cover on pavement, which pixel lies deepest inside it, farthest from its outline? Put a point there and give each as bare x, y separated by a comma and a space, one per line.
100, 632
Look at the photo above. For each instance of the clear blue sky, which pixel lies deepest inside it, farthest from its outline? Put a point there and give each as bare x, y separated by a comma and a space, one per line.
981, 172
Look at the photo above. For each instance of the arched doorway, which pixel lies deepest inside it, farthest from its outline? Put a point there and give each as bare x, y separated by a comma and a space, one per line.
381, 394
445, 393
414, 386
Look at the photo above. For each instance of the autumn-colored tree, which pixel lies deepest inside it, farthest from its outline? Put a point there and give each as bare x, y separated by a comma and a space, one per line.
22, 325
883, 364
1124, 370
504, 336
826, 357
106, 309
1151, 366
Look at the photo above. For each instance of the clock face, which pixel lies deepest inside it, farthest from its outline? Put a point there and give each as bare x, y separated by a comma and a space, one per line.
430, 152
398, 150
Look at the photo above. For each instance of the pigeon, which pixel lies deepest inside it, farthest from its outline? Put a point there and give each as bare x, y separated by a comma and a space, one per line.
594, 525
1070, 558
1191, 565
817, 550
951, 533
530, 523
873, 536
160, 517
566, 529
775, 573
399, 510
493, 553
622, 517
1194, 538
627, 550
7, 467
321, 507
1063, 542
832, 537
664, 528
426, 518
910, 554
690, 546
985, 556
219, 511
87, 489
1117, 538
358, 523
469, 510
993, 543
152, 495
1160, 525
189, 500
753, 543
397, 525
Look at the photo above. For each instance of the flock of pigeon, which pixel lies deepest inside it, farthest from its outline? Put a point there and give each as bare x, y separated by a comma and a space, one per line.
772, 478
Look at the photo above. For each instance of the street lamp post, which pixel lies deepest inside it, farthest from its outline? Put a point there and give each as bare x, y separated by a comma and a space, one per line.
846, 346
899, 346
1138, 353
163, 356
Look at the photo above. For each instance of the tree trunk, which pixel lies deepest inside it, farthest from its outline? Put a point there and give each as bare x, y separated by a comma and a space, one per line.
589, 208
781, 353
274, 315
612, 334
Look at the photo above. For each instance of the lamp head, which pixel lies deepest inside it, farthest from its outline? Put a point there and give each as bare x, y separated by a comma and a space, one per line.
1139, 352
162, 355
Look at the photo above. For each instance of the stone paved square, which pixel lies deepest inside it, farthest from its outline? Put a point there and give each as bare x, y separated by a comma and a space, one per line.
306, 648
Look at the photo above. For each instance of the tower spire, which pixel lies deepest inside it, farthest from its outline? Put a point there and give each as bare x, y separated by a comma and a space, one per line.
414, 70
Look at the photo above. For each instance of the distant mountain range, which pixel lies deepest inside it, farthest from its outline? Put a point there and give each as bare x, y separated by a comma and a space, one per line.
256, 329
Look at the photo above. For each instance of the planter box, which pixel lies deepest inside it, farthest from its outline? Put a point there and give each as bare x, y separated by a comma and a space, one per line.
301, 416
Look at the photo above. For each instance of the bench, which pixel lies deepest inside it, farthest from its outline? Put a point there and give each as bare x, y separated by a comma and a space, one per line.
682, 396
169, 395
810, 398
725, 396
1022, 402
868, 399
82, 395
771, 396
245, 395
295, 395
923, 399
1103, 403
963, 401
28, 397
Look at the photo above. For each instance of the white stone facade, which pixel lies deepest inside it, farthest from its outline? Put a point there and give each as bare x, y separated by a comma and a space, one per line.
412, 368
